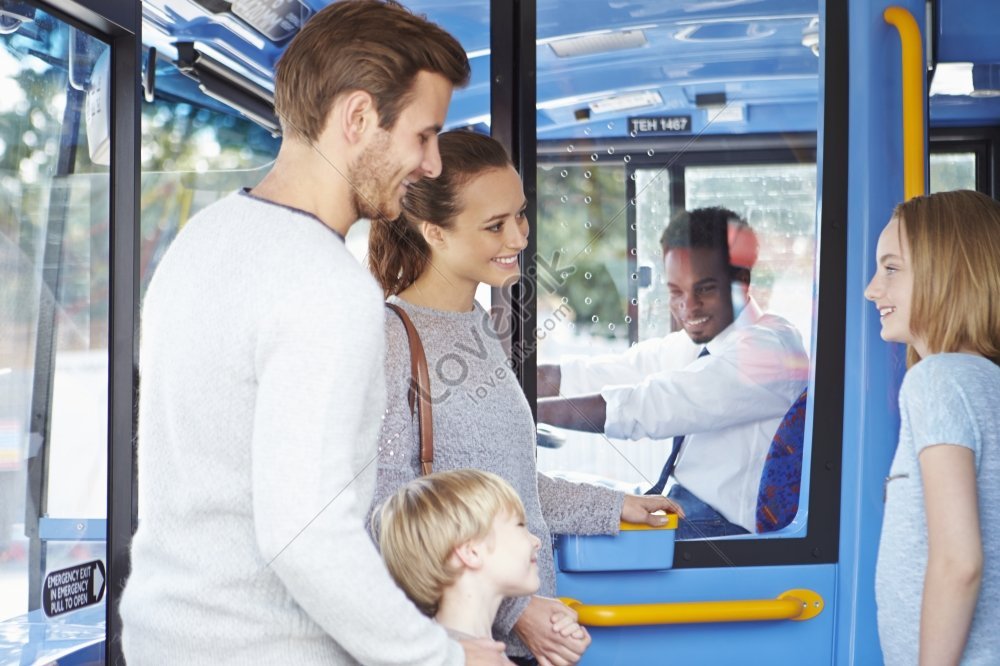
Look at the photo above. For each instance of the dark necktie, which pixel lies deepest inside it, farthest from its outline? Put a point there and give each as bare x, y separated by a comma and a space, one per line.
668, 467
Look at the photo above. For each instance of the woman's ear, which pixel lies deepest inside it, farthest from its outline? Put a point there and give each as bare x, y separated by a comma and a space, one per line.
433, 234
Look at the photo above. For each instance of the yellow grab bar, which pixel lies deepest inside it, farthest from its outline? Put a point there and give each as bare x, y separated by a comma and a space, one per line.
671, 524
913, 99
797, 604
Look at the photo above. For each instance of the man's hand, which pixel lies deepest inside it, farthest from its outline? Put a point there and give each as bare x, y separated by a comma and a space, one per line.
640, 509
542, 626
484, 652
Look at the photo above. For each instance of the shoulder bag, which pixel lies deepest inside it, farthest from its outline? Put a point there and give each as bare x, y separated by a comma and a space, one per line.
419, 395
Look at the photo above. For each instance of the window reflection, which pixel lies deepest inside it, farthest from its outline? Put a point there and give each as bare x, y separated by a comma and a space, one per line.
54, 283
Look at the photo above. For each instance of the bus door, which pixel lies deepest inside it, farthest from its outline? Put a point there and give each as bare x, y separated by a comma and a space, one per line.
738, 124
55, 333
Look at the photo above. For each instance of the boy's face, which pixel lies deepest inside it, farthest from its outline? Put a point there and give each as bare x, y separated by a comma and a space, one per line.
511, 559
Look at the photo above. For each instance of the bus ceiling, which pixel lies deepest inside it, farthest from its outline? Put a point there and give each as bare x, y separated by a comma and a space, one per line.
694, 67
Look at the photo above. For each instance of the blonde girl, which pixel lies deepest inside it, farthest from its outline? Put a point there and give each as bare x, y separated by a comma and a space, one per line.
937, 289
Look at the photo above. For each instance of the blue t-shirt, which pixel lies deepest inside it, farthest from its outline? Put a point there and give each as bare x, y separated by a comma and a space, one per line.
945, 399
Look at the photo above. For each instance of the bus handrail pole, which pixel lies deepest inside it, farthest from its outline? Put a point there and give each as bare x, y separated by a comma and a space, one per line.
913, 99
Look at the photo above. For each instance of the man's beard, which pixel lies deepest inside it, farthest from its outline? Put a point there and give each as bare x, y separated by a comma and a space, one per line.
372, 196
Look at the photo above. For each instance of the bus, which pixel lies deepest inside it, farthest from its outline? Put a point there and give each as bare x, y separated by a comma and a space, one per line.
811, 119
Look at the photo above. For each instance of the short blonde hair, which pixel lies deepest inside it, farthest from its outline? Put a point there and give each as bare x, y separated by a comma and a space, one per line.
954, 245
420, 526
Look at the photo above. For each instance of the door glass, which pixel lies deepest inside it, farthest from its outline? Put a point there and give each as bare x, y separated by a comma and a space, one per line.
54, 287
695, 108
779, 203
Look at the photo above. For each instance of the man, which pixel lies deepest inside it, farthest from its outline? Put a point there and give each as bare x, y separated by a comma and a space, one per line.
723, 384
261, 375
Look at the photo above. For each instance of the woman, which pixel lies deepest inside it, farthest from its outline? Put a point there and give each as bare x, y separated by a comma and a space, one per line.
937, 289
460, 230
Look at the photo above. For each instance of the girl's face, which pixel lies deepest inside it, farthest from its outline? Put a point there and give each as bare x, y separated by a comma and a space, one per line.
483, 242
891, 289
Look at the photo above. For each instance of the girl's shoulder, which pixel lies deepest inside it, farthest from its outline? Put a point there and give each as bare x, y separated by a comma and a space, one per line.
952, 372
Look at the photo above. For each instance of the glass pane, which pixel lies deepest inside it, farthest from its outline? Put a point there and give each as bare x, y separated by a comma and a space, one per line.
191, 157
54, 287
779, 203
699, 107
953, 171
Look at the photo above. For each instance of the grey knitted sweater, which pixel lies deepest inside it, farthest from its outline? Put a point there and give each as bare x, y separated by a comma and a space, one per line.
481, 420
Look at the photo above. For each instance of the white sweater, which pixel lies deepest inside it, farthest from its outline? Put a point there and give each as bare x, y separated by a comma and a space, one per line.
261, 394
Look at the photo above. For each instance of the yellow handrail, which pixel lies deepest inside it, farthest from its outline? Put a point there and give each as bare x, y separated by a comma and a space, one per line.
913, 99
797, 604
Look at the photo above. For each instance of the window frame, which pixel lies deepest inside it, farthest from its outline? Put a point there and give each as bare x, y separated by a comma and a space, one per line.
822, 541
118, 24
983, 141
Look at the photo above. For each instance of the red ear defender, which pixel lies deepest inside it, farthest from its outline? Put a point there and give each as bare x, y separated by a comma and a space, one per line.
743, 246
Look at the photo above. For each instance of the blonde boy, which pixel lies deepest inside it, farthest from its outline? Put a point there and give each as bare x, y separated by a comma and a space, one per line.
456, 543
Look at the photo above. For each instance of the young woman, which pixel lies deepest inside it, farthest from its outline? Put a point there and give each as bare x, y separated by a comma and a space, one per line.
937, 289
462, 229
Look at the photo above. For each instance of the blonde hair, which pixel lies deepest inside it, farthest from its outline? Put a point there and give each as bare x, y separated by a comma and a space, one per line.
954, 245
420, 526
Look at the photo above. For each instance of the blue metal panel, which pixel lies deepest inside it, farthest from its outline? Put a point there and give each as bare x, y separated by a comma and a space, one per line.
873, 368
629, 550
772, 642
955, 110
967, 31
73, 529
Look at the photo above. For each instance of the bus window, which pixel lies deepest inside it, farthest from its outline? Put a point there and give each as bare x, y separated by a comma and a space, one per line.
54, 308
779, 203
693, 141
192, 155
952, 171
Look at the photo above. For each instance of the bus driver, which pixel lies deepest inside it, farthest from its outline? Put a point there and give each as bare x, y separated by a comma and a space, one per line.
719, 388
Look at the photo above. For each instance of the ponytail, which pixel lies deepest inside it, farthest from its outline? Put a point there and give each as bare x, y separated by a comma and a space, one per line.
397, 254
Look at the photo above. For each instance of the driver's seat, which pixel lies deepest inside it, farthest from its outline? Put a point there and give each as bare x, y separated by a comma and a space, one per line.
778, 494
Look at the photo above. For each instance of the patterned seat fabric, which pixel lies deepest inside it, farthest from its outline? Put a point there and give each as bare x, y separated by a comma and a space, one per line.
778, 496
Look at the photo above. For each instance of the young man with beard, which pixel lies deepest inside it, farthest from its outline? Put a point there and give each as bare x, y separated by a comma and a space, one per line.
719, 388
261, 381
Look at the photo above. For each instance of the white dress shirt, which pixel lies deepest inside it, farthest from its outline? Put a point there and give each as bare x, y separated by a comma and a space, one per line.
728, 404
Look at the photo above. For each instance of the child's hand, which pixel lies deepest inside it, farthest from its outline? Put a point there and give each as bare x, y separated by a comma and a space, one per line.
566, 625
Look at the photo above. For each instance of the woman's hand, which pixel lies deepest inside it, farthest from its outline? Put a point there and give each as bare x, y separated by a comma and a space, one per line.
640, 509
542, 626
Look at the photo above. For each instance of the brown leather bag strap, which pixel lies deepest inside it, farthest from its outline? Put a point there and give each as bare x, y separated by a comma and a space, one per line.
419, 394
